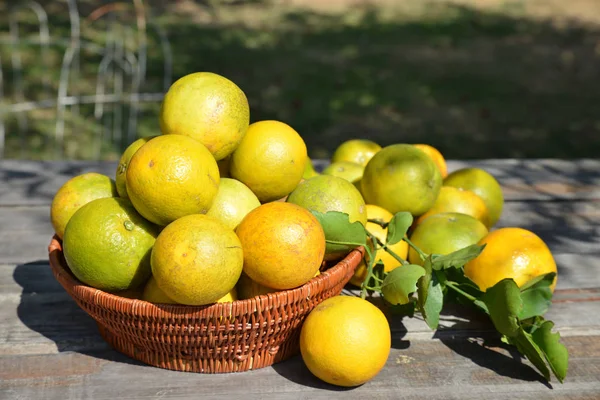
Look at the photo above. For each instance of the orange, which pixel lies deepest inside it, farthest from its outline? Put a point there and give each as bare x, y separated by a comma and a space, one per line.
345, 341
196, 260
510, 253
270, 160
389, 262
172, 176
247, 288
352, 172
401, 177
209, 108
445, 233
232, 203
75, 193
436, 156
107, 245
153, 294
452, 199
325, 193
484, 185
358, 151
121, 173
283, 245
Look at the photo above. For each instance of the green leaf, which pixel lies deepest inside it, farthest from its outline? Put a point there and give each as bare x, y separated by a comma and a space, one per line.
526, 346
433, 304
458, 258
504, 304
534, 281
401, 282
341, 236
537, 296
398, 226
555, 352
405, 310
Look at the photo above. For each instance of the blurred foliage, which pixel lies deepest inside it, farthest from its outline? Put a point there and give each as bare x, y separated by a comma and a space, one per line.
473, 82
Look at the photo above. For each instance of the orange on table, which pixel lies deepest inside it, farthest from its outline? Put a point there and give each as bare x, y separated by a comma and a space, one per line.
510, 253
358, 151
436, 156
389, 262
401, 177
283, 245
484, 185
270, 160
445, 233
345, 341
451, 199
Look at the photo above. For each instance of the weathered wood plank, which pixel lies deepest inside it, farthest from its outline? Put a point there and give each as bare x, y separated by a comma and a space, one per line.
449, 369
567, 227
38, 317
36, 182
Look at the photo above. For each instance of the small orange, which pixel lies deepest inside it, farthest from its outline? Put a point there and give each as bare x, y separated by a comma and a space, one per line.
389, 262
283, 245
358, 151
436, 156
445, 233
484, 185
452, 199
510, 253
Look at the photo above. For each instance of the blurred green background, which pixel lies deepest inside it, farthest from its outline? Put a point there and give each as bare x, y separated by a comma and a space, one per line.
476, 79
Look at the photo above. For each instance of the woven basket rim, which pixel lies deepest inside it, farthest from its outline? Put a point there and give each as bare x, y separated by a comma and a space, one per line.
118, 303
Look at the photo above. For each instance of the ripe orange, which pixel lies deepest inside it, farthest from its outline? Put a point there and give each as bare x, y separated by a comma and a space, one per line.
401, 178
445, 233
484, 185
325, 193
153, 294
209, 108
172, 176
196, 260
436, 156
232, 203
352, 172
283, 245
345, 341
121, 173
389, 262
107, 245
510, 253
452, 199
270, 160
247, 288
75, 193
358, 151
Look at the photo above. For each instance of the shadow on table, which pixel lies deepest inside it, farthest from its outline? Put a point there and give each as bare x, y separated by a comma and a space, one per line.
46, 308
479, 342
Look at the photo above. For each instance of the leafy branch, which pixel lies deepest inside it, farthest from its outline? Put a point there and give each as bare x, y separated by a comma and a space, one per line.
517, 313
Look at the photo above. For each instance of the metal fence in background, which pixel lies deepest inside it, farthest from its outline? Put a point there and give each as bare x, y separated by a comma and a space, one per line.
120, 74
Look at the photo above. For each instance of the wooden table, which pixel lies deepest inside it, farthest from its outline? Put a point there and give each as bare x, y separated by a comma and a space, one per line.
50, 349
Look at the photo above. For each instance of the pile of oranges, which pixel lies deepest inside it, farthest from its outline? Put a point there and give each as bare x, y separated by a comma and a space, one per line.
215, 209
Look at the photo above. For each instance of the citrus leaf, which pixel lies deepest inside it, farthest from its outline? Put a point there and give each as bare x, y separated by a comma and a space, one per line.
341, 235
526, 346
503, 301
555, 352
398, 226
433, 303
423, 283
458, 258
535, 281
405, 310
537, 297
400, 283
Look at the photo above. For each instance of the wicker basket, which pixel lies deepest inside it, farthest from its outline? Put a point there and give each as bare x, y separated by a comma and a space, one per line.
223, 337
